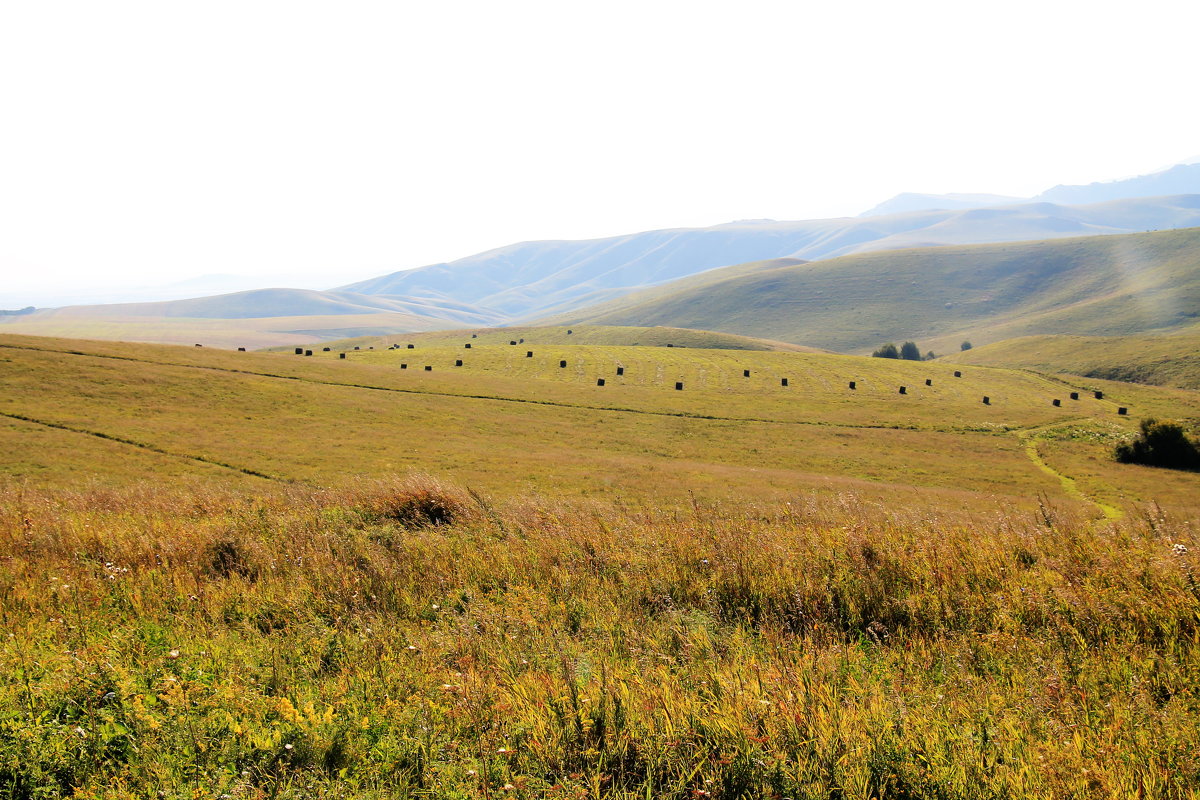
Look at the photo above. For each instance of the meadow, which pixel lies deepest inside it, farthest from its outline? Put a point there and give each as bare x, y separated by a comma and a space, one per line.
412, 639
224, 575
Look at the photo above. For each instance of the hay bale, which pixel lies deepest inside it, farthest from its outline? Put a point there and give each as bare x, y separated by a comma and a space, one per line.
1098, 394
308, 352
410, 347
529, 354
404, 366
569, 332
853, 384
562, 364
987, 401
467, 345
512, 341
599, 381
341, 355
957, 374
521, 341
620, 370
929, 381
1056, 402
241, 349
355, 347
783, 382
1074, 395
903, 390
326, 349
458, 362
1122, 410
474, 335
428, 368
300, 351
745, 373
199, 345
679, 386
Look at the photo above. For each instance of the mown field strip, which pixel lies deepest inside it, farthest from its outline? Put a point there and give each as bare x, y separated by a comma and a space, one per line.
530, 401
143, 446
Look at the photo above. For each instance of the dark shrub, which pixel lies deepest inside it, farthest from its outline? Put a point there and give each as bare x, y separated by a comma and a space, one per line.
887, 351
1160, 444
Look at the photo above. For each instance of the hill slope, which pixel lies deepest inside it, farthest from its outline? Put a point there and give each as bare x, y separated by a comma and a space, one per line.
1107, 285
536, 279
1160, 360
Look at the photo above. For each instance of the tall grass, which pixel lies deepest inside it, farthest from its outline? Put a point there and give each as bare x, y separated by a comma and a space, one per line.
338, 643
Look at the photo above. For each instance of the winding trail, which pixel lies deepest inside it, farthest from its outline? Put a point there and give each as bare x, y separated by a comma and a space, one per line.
1030, 437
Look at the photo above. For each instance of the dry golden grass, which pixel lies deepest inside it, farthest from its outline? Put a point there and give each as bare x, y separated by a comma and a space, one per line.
301, 643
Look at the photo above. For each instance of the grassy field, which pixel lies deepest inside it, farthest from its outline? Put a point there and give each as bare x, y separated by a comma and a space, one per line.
938, 296
228, 333
298, 643
1161, 360
220, 575
510, 424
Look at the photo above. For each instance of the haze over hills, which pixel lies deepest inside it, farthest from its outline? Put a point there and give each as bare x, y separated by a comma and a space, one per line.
258, 318
1101, 285
1178, 179
534, 279
554, 279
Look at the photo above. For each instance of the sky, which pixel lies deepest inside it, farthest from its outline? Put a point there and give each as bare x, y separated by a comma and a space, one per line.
311, 144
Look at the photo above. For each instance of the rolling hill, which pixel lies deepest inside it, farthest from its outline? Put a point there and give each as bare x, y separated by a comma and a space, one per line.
1106, 285
537, 279
1172, 360
609, 335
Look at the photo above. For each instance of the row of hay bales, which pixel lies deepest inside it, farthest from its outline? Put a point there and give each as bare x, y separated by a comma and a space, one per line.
679, 386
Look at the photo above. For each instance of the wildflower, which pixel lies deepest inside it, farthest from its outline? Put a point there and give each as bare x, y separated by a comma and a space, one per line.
80, 731
508, 787
1179, 549
289, 746
174, 654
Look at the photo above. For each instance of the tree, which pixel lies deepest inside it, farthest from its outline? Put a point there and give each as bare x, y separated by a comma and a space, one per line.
910, 352
930, 356
887, 351
965, 346
1160, 444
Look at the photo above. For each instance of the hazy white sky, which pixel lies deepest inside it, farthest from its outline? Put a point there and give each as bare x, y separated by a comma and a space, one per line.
318, 143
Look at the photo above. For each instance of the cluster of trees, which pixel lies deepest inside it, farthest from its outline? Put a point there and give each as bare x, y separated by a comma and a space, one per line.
907, 351
1160, 444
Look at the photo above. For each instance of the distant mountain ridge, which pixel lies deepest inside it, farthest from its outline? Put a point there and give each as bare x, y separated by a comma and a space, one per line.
1097, 285
1179, 179
531, 280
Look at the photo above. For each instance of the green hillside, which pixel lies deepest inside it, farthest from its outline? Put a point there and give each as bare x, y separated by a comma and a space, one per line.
1172, 360
616, 335
1100, 285
506, 423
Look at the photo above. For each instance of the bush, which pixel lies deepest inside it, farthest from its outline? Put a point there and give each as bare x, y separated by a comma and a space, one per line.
1160, 444
887, 351
910, 352
418, 502
965, 346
